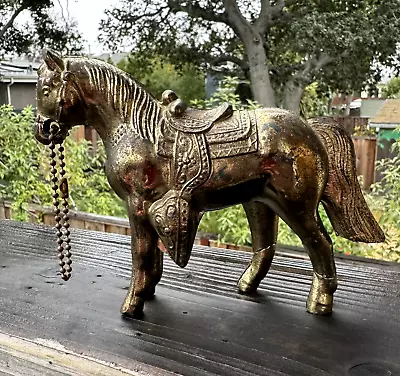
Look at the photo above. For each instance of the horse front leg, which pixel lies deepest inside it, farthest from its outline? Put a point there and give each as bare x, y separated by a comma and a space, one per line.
146, 266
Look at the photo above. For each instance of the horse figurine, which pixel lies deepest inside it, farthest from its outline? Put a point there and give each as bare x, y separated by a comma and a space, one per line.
171, 163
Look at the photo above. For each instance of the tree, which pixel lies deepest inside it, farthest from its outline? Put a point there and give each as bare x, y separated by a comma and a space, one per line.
42, 31
159, 75
280, 45
392, 89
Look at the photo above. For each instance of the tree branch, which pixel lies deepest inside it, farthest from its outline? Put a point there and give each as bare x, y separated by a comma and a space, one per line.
269, 12
223, 58
235, 19
323, 60
22, 7
128, 17
312, 64
196, 10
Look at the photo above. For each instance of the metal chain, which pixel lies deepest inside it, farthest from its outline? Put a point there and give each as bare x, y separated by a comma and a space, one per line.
62, 224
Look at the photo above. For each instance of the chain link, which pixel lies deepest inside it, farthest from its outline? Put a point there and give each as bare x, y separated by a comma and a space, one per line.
60, 215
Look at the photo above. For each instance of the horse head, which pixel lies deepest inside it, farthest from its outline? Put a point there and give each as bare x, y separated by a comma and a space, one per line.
59, 99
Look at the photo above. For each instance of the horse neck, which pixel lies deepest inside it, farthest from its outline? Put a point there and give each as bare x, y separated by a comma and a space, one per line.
122, 106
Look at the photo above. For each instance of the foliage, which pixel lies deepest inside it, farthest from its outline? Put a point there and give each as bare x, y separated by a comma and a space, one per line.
43, 30
226, 92
289, 43
392, 89
230, 224
159, 75
387, 190
25, 170
313, 102
364, 131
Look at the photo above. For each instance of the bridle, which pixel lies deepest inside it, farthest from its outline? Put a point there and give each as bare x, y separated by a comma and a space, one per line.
60, 181
62, 225
68, 78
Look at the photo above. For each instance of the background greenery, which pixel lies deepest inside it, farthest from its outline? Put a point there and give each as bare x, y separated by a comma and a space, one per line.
288, 44
159, 74
24, 169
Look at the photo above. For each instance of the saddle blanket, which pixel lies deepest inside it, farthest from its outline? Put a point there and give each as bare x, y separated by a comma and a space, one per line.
234, 136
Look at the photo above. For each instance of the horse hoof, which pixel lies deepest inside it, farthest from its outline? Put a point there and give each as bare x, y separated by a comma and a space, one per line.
319, 309
320, 299
320, 303
133, 309
245, 288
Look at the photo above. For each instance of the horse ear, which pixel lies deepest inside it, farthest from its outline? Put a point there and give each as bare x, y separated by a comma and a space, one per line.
54, 61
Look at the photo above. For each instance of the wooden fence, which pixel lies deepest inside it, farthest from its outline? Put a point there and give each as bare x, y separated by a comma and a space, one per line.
78, 220
365, 148
104, 223
351, 122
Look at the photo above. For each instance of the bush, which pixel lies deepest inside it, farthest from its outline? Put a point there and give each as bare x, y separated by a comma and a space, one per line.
25, 170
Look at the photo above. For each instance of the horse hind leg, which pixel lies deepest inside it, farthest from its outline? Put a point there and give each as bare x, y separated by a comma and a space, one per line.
324, 283
302, 216
319, 246
264, 227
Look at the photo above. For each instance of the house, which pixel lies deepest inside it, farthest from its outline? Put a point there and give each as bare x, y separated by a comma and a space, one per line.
388, 116
385, 122
370, 107
18, 83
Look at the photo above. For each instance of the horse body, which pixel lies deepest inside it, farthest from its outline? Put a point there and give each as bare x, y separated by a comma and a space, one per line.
280, 168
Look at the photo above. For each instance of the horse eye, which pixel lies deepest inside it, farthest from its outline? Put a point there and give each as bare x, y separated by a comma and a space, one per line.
46, 90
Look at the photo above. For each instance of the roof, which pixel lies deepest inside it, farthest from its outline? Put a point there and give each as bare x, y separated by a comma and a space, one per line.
115, 58
340, 100
389, 115
370, 107
21, 70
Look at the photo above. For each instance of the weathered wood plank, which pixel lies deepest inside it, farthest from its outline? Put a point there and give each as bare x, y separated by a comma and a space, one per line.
115, 229
19, 356
2, 211
95, 226
198, 324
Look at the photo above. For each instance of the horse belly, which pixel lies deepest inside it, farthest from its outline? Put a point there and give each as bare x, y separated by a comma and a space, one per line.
233, 170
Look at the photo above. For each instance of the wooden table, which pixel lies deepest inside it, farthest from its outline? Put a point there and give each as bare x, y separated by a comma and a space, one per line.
197, 324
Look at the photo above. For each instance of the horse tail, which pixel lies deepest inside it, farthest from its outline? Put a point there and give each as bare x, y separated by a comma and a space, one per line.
343, 199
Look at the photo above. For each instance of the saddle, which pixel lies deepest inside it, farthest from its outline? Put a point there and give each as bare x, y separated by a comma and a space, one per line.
190, 120
191, 138
227, 132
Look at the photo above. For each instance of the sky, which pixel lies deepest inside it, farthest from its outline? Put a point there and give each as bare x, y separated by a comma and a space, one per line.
88, 14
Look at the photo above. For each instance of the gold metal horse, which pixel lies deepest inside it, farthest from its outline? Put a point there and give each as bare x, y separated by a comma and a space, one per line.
170, 163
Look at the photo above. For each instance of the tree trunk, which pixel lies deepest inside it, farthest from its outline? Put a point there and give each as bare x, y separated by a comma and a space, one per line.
259, 73
292, 97
349, 99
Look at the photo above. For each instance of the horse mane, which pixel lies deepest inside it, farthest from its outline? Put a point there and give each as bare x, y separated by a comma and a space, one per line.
137, 107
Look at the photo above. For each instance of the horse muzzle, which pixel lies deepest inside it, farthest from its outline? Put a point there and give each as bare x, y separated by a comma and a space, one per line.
43, 131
